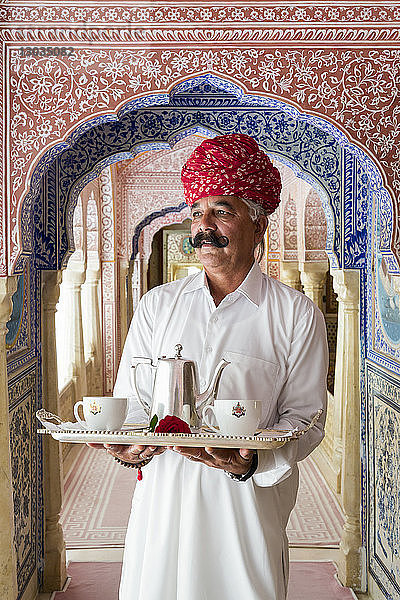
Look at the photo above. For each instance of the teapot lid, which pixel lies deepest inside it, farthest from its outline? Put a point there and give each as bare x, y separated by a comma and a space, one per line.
178, 355
178, 350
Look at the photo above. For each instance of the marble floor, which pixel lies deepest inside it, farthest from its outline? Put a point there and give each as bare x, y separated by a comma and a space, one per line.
115, 555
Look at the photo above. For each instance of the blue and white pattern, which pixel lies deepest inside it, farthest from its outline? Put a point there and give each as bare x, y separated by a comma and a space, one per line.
25, 397
384, 465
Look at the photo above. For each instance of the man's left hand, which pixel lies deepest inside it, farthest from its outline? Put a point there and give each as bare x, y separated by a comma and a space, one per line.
237, 461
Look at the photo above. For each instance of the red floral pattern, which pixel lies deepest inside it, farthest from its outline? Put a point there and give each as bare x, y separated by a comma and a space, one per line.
232, 165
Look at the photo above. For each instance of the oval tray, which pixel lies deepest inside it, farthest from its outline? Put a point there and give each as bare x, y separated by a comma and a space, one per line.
258, 442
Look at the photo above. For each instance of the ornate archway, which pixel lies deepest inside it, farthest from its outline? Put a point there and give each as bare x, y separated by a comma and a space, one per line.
345, 177
313, 147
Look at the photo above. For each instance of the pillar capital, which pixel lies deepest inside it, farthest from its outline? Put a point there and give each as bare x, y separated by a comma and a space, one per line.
320, 266
51, 281
313, 275
74, 276
289, 273
346, 284
92, 274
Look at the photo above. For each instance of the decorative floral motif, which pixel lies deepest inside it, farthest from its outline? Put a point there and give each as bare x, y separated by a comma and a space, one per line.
349, 90
204, 15
289, 249
334, 83
314, 228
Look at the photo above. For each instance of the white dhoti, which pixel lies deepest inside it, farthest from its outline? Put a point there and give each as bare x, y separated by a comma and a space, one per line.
194, 534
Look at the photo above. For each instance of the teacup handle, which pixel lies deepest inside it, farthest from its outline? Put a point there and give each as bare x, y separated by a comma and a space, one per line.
136, 361
76, 414
205, 417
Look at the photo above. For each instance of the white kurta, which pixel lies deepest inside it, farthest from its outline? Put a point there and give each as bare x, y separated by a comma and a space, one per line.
194, 534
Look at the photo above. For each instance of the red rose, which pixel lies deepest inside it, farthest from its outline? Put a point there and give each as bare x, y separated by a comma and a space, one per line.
171, 424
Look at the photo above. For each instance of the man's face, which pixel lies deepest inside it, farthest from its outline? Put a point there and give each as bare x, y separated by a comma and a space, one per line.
226, 216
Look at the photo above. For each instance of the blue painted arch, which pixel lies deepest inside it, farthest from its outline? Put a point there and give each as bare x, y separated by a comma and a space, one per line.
318, 152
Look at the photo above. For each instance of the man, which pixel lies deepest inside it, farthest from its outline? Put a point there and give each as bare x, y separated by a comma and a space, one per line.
210, 523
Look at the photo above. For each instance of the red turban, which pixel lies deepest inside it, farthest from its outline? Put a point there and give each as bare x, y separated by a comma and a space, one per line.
232, 165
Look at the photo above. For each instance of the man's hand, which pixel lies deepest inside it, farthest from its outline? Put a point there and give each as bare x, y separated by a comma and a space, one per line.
130, 454
237, 461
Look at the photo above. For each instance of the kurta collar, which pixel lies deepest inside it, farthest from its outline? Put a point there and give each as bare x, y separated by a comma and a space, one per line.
198, 281
250, 287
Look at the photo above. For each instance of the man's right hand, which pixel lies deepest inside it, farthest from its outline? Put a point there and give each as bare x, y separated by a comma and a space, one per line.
130, 454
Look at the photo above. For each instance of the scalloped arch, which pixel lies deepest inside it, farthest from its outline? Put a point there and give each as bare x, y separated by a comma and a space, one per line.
344, 176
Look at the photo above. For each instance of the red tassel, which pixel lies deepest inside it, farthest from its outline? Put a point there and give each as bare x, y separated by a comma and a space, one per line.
139, 474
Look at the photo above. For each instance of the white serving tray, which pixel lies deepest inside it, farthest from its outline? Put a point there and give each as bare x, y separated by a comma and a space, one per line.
265, 439
258, 442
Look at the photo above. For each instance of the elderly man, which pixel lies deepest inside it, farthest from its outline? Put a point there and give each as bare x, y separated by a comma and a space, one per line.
210, 523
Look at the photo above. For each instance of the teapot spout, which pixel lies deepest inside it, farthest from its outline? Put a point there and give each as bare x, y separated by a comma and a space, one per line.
211, 392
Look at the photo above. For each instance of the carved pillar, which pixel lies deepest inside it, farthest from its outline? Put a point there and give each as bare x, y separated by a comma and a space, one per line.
8, 569
129, 292
123, 299
139, 280
55, 562
347, 396
339, 398
73, 278
92, 329
289, 274
144, 269
313, 277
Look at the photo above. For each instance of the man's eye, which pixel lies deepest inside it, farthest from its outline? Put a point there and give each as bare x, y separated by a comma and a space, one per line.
220, 211
195, 214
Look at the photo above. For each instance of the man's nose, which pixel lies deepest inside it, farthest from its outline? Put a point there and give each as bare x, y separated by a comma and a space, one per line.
207, 221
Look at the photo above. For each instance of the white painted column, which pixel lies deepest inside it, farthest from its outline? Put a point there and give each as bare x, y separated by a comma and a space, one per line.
73, 278
339, 399
8, 562
289, 274
55, 573
92, 326
347, 398
129, 292
139, 281
313, 276
143, 282
123, 299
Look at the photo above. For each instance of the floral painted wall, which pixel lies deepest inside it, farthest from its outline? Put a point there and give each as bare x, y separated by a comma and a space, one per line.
86, 86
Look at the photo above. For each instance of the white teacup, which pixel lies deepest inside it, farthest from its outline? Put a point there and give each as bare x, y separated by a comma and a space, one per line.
102, 413
234, 417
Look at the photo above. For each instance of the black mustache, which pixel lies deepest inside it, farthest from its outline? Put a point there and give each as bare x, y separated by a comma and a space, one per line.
209, 236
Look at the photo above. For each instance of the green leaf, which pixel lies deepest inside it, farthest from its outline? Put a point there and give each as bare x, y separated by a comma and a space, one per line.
153, 423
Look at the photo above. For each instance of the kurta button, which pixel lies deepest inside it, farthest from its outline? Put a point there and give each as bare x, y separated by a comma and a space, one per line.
208, 349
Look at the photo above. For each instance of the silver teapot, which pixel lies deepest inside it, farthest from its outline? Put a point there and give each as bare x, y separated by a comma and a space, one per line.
176, 389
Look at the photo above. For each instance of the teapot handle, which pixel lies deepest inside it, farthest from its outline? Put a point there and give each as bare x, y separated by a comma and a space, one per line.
136, 361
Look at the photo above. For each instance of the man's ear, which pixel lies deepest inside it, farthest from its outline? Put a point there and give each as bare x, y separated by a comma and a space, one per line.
260, 227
